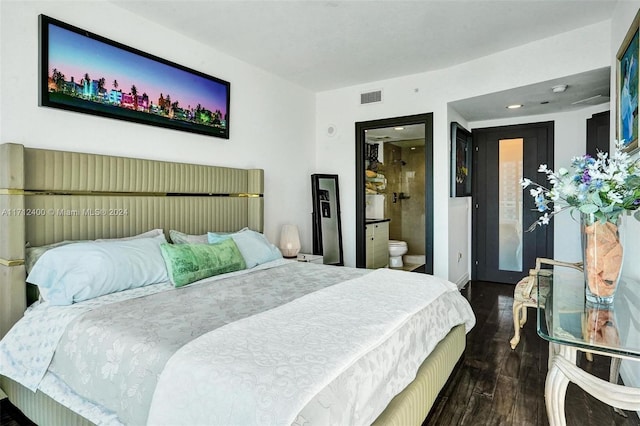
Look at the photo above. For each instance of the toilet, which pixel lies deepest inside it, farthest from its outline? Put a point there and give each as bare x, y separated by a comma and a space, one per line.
396, 250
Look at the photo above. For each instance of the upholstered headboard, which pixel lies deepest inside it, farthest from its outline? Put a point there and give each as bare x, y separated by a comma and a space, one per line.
49, 196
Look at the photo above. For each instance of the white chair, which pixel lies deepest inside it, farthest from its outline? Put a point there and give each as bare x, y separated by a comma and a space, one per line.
526, 294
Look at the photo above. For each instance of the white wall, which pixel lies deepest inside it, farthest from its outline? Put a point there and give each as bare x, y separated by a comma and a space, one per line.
621, 20
272, 121
570, 135
459, 223
569, 53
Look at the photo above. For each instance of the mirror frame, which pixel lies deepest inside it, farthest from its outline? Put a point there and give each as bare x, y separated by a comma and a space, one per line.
317, 217
361, 128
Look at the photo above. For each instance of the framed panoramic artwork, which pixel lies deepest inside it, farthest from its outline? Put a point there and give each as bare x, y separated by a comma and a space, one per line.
627, 89
84, 72
461, 143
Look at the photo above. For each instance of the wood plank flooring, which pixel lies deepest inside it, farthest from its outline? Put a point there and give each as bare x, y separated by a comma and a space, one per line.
11, 416
493, 384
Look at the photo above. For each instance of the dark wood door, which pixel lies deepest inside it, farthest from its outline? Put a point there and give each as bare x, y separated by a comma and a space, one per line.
503, 250
598, 133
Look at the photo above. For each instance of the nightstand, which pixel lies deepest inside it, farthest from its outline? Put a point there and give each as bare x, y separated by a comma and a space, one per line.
311, 258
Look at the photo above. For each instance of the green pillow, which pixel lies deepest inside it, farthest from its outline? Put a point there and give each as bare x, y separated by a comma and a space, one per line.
187, 263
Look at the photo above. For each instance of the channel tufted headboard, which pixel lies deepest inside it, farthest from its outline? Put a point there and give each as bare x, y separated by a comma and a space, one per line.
49, 196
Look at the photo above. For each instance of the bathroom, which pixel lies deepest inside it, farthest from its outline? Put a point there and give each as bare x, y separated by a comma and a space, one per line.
395, 192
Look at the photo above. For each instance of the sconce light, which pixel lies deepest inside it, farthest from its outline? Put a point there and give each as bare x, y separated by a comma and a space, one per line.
289, 241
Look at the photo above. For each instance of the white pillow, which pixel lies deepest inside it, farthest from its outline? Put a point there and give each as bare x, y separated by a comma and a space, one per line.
254, 246
178, 237
149, 234
32, 254
82, 271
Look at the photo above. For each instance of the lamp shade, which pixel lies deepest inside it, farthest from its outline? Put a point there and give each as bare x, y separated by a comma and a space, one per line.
289, 241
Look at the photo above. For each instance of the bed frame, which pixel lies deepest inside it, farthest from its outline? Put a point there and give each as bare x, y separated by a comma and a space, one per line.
49, 196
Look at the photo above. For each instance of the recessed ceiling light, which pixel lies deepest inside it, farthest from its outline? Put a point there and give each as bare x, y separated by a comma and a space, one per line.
398, 128
559, 88
413, 148
514, 106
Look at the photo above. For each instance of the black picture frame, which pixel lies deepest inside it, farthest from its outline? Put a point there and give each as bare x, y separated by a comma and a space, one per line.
327, 227
461, 161
160, 92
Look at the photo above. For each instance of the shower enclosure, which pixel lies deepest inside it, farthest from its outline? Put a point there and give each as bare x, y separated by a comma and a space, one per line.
405, 201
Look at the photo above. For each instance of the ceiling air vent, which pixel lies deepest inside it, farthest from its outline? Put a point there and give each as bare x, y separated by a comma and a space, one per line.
371, 97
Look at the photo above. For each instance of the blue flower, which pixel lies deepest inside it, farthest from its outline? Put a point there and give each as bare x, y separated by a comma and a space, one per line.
609, 184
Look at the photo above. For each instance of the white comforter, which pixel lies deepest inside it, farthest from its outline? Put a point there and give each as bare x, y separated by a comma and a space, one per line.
299, 363
274, 363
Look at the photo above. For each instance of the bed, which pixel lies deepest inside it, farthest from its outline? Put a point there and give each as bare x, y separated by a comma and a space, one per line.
48, 197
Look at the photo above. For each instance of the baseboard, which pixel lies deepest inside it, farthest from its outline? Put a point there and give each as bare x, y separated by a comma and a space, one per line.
462, 281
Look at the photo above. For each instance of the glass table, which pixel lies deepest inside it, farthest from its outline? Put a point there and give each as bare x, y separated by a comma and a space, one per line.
570, 325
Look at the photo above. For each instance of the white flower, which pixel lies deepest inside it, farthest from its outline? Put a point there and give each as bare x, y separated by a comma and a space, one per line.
608, 184
535, 192
567, 189
614, 197
525, 182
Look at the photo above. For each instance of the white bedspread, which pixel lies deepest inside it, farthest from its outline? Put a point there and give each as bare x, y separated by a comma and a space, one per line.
338, 366
266, 368
27, 349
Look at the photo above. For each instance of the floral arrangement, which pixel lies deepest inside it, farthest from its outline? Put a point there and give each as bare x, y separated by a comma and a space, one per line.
604, 187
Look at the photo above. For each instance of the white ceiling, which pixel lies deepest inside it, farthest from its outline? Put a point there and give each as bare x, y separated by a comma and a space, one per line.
413, 133
323, 45
583, 90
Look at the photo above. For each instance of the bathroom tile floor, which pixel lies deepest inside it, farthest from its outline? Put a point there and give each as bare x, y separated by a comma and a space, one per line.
412, 267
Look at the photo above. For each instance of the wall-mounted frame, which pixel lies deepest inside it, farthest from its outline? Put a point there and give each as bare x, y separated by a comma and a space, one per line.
84, 72
461, 143
627, 89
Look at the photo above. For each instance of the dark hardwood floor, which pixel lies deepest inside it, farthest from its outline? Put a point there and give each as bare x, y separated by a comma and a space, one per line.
493, 385
11, 416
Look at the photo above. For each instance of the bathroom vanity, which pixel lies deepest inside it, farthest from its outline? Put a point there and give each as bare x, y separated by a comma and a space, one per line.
377, 243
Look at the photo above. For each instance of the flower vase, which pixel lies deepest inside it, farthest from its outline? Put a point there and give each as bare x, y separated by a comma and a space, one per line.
599, 325
602, 254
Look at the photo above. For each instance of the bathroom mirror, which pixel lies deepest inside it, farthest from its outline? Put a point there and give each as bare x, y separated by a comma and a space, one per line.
327, 230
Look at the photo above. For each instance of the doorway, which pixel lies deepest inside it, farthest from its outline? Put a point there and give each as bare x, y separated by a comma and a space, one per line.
503, 250
424, 199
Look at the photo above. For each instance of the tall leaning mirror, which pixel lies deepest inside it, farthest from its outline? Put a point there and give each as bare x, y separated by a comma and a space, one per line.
327, 230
